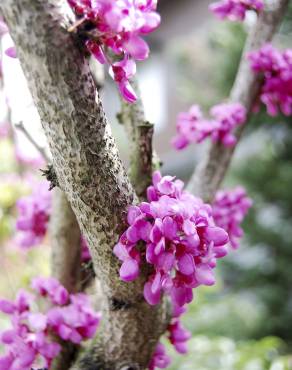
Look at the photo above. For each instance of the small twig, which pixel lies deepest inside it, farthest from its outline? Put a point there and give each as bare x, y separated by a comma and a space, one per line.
77, 24
210, 173
40, 149
143, 160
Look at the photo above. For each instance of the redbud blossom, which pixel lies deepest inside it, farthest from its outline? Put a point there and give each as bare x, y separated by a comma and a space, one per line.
28, 343
117, 27
235, 10
229, 210
276, 68
192, 127
159, 359
33, 215
182, 242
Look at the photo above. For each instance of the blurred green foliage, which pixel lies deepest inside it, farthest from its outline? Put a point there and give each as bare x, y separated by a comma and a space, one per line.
225, 354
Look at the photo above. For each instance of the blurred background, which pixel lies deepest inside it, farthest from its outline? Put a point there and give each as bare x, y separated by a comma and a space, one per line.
244, 322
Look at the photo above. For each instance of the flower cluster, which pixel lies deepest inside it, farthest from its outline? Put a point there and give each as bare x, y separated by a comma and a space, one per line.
235, 10
229, 209
182, 242
276, 67
29, 341
117, 26
33, 215
192, 127
182, 246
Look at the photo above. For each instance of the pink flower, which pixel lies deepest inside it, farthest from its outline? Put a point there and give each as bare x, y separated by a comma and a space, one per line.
51, 288
85, 254
33, 216
121, 72
235, 10
159, 359
178, 336
276, 68
11, 52
119, 26
192, 127
74, 322
229, 210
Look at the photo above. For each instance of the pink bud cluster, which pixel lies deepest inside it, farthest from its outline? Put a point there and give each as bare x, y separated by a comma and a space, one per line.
235, 10
192, 127
182, 242
229, 209
117, 26
29, 342
33, 215
276, 68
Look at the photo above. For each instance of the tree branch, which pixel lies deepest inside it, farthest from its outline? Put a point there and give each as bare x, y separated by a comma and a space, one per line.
65, 241
210, 172
41, 150
89, 170
140, 134
65, 260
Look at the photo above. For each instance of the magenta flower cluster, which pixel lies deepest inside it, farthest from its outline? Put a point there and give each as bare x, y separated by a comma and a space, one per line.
276, 68
229, 210
33, 215
235, 10
118, 26
182, 242
192, 127
29, 342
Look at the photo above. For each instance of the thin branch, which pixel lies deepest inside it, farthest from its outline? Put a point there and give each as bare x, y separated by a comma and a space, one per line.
210, 173
140, 135
40, 149
65, 241
89, 170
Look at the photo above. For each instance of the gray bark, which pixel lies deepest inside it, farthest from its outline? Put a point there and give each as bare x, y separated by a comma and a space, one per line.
210, 172
89, 171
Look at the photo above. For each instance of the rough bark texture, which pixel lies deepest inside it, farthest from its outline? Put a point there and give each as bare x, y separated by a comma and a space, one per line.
210, 173
89, 171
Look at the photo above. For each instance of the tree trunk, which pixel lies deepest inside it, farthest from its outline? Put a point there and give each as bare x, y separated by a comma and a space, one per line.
89, 171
